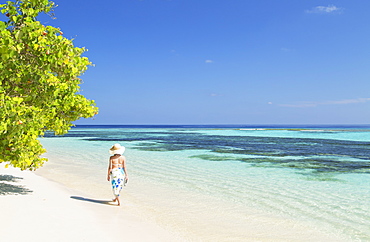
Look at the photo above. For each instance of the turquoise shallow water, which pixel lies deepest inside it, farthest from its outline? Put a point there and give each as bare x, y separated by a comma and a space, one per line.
312, 177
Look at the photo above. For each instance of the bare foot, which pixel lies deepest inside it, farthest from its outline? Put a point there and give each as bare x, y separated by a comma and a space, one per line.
116, 200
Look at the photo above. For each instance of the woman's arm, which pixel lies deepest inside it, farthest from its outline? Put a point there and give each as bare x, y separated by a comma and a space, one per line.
124, 166
109, 168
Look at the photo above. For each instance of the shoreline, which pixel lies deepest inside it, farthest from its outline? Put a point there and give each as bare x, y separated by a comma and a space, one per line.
43, 210
46, 209
199, 200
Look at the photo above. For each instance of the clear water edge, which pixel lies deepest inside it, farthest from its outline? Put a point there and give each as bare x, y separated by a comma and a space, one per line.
185, 193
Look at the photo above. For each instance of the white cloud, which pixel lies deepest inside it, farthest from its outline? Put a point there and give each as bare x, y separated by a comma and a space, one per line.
215, 95
315, 104
269, 103
325, 9
209, 61
299, 105
349, 101
285, 49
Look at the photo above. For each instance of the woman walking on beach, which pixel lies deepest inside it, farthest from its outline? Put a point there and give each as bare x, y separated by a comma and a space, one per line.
117, 171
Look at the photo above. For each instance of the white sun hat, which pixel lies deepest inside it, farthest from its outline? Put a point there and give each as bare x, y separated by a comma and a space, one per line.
117, 149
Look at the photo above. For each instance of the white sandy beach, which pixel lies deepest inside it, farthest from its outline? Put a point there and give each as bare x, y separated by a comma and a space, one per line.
48, 211
51, 212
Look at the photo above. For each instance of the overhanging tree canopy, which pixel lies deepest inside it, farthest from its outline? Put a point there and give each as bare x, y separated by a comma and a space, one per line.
39, 70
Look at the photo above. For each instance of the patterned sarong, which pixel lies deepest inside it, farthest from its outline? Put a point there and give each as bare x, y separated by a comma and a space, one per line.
117, 178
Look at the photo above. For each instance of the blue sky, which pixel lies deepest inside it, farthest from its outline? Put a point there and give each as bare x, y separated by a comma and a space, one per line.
223, 61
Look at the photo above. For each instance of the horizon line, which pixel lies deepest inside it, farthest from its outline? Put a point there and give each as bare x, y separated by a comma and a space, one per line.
290, 124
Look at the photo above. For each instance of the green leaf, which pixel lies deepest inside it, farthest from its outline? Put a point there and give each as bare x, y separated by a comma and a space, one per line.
39, 82
2, 25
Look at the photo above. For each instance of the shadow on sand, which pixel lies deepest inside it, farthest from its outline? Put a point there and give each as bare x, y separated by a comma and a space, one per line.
106, 202
10, 189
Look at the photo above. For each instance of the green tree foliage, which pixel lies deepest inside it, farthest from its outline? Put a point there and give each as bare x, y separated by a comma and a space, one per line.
39, 70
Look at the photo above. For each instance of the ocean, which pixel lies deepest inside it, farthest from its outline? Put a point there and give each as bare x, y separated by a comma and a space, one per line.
228, 182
